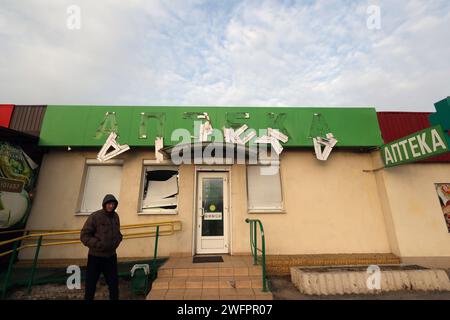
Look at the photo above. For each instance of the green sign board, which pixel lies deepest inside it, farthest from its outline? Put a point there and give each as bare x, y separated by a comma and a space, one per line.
417, 146
140, 125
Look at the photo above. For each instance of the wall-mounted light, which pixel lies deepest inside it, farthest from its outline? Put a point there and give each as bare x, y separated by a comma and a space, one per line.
69, 148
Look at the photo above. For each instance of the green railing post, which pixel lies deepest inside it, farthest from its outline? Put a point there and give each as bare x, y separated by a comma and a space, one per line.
255, 242
254, 248
251, 238
154, 273
33, 269
263, 254
8, 272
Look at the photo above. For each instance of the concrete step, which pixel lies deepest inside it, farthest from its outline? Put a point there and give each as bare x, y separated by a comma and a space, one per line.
210, 272
209, 294
234, 279
207, 282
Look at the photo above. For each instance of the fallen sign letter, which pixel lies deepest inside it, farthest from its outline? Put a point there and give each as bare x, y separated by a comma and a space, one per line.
206, 128
272, 138
111, 142
417, 146
232, 136
159, 144
329, 142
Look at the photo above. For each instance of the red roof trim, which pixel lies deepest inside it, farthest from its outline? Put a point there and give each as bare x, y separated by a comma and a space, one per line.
6, 111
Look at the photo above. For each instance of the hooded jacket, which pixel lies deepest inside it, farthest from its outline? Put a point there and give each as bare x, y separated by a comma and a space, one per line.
101, 231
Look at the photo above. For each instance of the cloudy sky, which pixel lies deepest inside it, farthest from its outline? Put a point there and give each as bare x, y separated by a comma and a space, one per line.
264, 53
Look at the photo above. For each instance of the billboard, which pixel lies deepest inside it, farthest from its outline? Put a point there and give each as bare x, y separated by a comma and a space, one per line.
417, 146
443, 191
17, 179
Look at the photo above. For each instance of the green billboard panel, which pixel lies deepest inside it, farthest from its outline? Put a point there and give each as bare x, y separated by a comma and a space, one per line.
140, 125
417, 146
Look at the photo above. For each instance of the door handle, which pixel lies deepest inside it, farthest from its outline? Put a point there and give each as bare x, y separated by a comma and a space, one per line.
202, 212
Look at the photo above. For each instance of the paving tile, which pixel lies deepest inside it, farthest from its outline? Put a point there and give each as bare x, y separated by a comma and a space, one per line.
210, 284
176, 291
181, 272
239, 265
156, 292
177, 283
193, 291
162, 273
192, 297
226, 284
212, 264
226, 292
245, 291
156, 295
167, 265
210, 291
245, 297
226, 272
240, 271
228, 297
211, 272
263, 297
258, 292
257, 284
244, 283
194, 284
197, 266
225, 265
160, 284
174, 297
195, 272
210, 297
254, 271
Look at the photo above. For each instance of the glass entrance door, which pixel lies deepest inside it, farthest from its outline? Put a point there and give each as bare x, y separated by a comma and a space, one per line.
212, 212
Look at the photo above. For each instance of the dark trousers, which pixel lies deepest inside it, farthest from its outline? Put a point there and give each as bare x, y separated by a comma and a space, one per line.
107, 266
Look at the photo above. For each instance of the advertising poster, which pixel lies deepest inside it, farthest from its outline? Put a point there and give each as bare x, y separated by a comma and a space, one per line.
443, 191
17, 180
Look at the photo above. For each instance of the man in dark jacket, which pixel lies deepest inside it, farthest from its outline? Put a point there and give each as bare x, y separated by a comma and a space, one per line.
101, 234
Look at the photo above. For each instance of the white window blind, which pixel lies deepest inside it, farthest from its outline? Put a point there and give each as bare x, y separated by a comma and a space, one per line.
100, 180
264, 190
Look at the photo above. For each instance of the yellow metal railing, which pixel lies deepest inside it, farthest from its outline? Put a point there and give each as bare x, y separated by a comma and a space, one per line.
46, 238
173, 226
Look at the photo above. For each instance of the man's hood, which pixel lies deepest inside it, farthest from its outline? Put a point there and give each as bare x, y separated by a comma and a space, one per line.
109, 198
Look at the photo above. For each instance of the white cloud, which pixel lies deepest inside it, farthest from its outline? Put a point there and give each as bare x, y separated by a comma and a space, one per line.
295, 53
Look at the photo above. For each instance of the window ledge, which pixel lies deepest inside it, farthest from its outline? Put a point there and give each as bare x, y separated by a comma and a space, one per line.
83, 214
251, 211
157, 212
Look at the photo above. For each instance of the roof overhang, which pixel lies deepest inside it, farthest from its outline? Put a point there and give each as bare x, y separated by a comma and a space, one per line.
17, 137
209, 150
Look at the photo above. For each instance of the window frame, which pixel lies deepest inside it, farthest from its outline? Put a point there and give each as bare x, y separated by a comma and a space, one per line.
94, 163
282, 208
156, 211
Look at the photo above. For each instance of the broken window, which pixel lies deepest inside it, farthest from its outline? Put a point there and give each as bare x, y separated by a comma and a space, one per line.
160, 189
